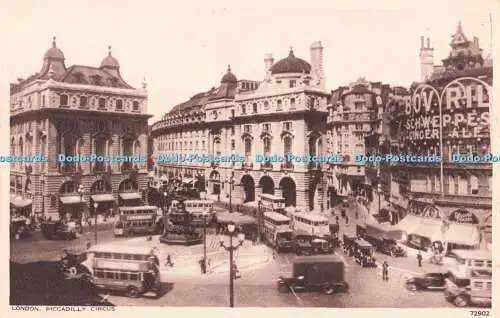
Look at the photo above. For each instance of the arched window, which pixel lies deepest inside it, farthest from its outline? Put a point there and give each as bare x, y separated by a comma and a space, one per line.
279, 104
267, 146
100, 150
119, 104
102, 103
137, 148
287, 145
135, 105
292, 103
127, 151
63, 100
248, 147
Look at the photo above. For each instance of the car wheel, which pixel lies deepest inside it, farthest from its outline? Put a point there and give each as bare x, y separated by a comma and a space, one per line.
283, 288
133, 292
329, 290
411, 287
461, 301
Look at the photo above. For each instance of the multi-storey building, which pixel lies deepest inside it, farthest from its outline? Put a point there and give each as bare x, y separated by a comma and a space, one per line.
77, 110
355, 113
447, 115
284, 114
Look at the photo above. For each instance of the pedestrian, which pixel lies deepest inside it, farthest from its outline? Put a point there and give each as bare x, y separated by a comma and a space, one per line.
419, 259
346, 220
169, 261
385, 271
209, 265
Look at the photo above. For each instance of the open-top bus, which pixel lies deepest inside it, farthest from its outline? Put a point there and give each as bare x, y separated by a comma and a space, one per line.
135, 219
119, 267
272, 203
277, 231
315, 225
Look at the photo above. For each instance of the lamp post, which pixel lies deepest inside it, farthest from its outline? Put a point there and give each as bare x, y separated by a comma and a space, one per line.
96, 205
205, 214
379, 190
230, 180
42, 182
80, 192
165, 206
259, 213
231, 227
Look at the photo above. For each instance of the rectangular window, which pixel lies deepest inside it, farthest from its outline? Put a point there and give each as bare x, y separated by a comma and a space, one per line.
293, 83
287, 125
233, 145
266, 127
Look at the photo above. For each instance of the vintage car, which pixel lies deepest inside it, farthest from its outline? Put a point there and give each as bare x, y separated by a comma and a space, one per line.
302, 244
383, 237
70, 263
427, 281
348, 243
364, 253
319, 272
321, 246
18, 227
57, 230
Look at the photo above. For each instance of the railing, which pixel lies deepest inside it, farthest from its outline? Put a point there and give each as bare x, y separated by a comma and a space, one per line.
286, 166
315, 166
266, 166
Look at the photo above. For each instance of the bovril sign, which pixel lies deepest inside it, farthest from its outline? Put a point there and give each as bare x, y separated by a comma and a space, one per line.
463, 216
464, 109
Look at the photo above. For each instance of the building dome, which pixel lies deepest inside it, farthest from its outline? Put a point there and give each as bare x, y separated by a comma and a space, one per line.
291, 64
54, 52
109, 61
229, 77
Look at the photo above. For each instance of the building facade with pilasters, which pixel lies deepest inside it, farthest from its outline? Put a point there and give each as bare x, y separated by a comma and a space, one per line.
77, 110
283, 114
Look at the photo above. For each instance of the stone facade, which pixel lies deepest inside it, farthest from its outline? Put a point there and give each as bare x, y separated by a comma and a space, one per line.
79, 110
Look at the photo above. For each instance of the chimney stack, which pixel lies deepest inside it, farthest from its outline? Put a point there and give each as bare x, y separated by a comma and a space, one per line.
428, 43
317, 63
268, 62
476, 41
422, 42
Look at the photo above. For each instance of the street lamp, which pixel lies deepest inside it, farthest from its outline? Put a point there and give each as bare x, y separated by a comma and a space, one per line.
96, 205
165, 207
379, 190
259, 213
230, 180
80, 192
231, 227
205, 214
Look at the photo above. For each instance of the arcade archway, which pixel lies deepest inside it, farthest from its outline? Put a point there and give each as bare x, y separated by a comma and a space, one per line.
248, 188
288, 189
215, 181
267, 185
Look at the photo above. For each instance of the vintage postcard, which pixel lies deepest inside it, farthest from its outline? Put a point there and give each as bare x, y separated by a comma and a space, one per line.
272, 155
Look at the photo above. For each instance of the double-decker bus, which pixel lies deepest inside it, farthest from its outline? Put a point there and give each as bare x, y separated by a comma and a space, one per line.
277, 231
136, 219
130, 269
199, 209
272, 203
315, 225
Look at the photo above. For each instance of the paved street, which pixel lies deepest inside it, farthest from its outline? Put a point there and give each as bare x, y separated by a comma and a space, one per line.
257, 287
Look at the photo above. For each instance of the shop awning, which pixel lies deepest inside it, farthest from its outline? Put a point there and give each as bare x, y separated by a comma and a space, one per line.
409, 223
130, 196
151, 174
163, 178
384, 231
105, 197
187, 181
463, 234
20, 202
429, 228
71, 199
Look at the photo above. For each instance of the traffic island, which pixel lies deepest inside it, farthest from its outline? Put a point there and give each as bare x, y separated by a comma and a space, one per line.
181, 231
181, 239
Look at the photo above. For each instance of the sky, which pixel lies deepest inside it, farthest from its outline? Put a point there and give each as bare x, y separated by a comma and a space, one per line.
185, 48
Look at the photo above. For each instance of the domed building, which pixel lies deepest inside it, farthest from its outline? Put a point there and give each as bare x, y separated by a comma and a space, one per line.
284, 113
76, 110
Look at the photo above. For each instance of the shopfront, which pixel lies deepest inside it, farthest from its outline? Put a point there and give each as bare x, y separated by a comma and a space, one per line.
430, 229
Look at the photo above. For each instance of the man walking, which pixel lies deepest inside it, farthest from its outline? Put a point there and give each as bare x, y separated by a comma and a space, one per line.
419, 259
385, 271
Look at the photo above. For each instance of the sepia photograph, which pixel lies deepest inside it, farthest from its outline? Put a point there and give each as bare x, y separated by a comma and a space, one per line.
260, 155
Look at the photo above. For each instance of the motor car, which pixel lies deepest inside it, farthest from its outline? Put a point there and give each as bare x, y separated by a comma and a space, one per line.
57, 230
323, 272
427, 281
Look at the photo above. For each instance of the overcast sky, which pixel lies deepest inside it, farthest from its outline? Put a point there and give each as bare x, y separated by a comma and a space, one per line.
184, 49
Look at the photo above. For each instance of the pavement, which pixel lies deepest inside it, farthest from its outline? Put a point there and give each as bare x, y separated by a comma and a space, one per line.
185, 286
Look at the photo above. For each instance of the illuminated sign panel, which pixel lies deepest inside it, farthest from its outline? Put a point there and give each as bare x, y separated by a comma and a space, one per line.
464, 110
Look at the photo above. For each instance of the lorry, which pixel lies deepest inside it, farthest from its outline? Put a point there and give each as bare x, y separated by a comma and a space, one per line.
317, 272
